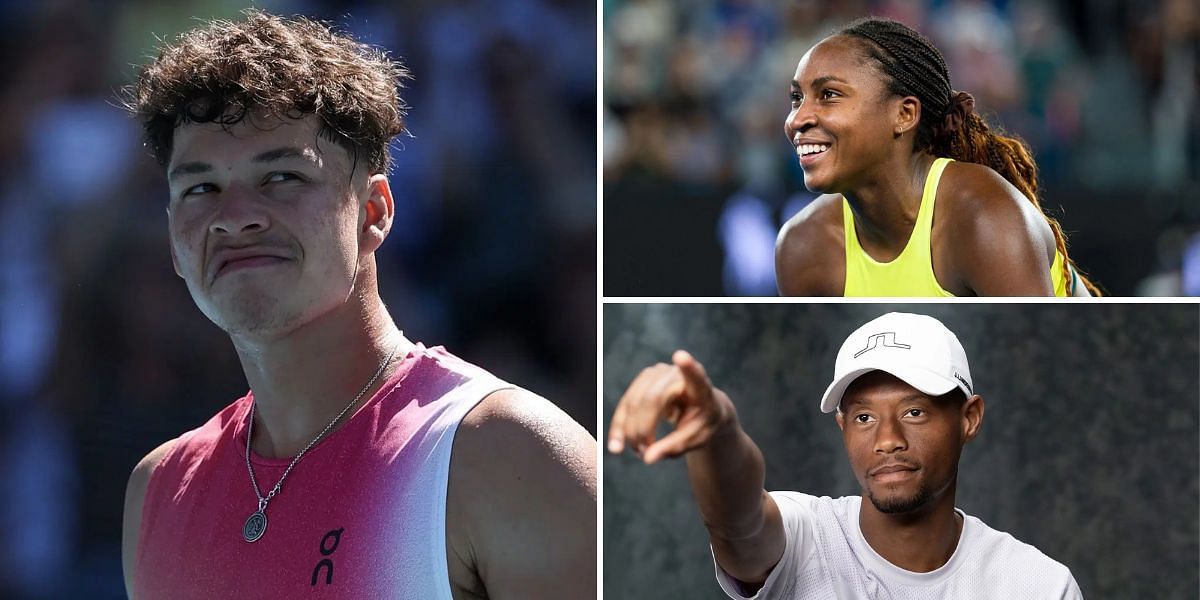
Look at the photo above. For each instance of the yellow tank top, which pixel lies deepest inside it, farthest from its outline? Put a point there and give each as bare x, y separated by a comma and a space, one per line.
911, 273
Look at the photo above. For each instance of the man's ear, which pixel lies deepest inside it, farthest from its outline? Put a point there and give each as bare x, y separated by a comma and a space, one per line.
908, 115
841, 420
378, 212
972, 417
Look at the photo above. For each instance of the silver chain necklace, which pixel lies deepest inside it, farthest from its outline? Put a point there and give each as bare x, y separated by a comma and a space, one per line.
256, 525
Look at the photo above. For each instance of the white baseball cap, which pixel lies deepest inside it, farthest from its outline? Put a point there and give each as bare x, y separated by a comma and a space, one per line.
917, 349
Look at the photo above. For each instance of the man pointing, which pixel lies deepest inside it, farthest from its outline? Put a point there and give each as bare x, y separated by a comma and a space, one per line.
906, 406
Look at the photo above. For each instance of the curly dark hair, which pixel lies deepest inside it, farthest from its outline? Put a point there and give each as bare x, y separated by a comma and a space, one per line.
282, 67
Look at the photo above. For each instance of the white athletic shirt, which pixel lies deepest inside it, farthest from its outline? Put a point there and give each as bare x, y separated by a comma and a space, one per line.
826, 557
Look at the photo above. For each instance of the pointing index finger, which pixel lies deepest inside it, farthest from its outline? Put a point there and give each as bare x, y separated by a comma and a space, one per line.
694, 377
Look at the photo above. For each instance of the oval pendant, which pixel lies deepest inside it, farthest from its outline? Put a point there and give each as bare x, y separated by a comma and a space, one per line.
255, 526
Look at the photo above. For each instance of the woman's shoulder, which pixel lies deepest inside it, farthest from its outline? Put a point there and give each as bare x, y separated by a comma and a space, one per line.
823, 211
971, 191
990, 226
974, 197
809, 244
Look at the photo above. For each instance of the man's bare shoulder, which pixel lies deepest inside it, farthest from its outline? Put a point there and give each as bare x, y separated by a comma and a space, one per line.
139, 479
522, 495
135, 496
809, 247
514, 424
150, 461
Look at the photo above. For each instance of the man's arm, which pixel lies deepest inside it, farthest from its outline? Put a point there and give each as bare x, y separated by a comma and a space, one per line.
521, 506
725, 467
135, 495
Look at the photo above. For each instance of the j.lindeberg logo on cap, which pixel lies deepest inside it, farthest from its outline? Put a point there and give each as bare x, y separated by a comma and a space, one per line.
964, 382
887, 338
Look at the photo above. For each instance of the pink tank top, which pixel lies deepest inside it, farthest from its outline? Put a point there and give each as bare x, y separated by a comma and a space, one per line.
362, 515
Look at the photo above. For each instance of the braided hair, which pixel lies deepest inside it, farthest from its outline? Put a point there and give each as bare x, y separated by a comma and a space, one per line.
949, 127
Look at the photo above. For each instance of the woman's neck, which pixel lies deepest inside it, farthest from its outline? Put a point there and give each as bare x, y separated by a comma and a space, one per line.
886, 203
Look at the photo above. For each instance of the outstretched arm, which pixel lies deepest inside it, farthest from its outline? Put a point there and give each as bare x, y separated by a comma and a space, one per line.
725, 467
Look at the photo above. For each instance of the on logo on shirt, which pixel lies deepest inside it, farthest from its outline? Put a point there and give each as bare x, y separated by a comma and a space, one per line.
336, 537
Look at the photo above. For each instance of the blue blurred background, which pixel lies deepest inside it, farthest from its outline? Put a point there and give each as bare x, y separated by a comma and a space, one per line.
698, 176
103, 354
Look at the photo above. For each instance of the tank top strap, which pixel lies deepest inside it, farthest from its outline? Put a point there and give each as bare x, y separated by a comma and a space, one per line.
924, 226
911, 272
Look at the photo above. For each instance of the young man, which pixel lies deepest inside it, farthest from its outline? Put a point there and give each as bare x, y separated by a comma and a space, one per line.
361, 464
906, 406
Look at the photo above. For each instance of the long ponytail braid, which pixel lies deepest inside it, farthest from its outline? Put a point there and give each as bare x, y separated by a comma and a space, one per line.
949, 126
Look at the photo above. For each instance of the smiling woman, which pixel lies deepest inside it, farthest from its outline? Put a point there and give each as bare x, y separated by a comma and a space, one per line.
878, 129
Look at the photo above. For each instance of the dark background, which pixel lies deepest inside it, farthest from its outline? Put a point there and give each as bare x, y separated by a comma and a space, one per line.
1088, 451
699, 177
103, 354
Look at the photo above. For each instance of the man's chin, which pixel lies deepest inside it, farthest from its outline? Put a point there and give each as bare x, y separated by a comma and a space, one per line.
253, 315
892, 504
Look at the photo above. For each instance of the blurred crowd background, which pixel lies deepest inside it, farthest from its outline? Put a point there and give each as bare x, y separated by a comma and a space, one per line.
103, 355
698, 176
